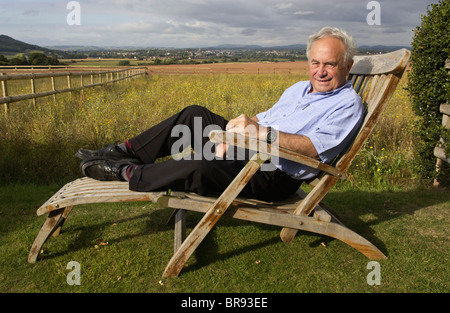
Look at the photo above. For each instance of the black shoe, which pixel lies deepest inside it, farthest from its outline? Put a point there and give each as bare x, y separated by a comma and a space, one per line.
110, 152
105, 170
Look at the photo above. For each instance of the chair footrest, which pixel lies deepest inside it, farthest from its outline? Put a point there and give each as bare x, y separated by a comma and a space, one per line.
88, 190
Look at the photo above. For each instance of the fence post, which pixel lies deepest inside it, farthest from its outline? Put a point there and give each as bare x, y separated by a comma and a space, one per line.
81, 84
33, 90
5, 94
69, 82
53, 87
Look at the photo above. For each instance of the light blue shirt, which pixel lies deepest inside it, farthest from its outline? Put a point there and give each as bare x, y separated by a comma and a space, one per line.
329, 119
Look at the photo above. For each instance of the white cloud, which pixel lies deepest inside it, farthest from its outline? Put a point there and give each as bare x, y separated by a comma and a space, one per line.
282, 6
303, 12
183, 23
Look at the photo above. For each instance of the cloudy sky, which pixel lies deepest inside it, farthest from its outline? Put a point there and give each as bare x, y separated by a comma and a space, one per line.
200, 23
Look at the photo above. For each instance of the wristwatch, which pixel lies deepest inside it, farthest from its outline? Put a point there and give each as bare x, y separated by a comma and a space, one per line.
271, 135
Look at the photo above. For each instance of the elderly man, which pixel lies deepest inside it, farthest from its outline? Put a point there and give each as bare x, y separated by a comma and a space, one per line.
317, 118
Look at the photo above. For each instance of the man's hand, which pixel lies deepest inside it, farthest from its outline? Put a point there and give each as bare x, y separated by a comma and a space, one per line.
250, 127
241, 125
244, 125
221, 150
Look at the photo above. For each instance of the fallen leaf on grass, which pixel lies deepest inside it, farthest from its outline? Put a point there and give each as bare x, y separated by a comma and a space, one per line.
99, 243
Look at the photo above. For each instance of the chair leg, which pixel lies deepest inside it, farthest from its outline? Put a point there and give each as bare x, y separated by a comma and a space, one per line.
308, 204
52, 226
64, 215
336, 229
212, 216
180, 229
355, 240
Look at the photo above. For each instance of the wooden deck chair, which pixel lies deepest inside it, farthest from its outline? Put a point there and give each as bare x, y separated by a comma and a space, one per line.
374, 77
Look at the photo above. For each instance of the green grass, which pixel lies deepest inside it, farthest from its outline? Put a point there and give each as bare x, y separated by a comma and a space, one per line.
381, 200
38, 141
409, 225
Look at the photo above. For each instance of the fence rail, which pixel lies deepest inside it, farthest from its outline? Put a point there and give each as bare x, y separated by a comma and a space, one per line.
167, 70
297, 67
96, 79
33, 67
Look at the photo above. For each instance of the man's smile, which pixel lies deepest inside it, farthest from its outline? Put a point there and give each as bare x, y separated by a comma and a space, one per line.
324, 80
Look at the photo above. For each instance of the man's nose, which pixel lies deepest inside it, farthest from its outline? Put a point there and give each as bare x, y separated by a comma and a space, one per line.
322, 71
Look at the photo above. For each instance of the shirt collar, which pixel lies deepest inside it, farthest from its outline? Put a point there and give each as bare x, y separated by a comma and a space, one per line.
348, 84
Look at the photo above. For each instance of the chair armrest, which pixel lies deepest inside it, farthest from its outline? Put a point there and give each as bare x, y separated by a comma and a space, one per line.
246, 142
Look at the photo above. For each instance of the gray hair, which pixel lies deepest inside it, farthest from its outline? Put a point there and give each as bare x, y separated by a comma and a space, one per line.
350, 48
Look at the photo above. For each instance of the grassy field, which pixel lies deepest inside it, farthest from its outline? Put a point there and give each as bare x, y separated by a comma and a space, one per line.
125, 247
54, 130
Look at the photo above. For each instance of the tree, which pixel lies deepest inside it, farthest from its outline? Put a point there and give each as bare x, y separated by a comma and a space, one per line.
3, 60
37, 58
19, 60
429, 87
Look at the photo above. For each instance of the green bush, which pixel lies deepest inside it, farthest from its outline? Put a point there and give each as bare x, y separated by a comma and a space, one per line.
428, 86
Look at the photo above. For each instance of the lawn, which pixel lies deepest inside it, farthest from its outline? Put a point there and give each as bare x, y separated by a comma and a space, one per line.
125, 247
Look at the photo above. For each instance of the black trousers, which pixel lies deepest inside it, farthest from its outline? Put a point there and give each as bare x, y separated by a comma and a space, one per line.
199, 173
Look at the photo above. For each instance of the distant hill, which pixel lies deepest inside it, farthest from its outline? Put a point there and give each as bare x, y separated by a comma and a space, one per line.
73, 48
10, 46
256, 47
381, 48
234, 47
378, 48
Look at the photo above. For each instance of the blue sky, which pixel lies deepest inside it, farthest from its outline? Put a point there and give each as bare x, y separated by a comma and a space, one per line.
200, 23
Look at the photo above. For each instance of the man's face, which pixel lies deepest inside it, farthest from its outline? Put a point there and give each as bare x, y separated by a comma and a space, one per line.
326, 65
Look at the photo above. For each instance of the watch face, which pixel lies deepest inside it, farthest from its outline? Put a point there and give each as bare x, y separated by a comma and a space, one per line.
271, 136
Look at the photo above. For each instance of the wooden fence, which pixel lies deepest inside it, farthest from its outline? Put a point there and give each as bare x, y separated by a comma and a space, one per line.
439, 151
179, 70
298, 67
97, 78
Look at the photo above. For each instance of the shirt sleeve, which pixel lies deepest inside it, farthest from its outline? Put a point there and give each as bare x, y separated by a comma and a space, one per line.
336, 130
